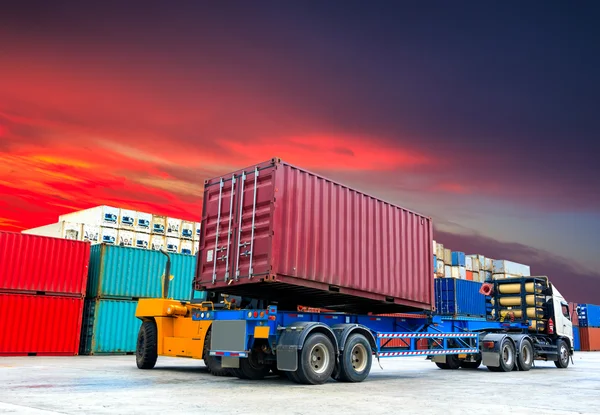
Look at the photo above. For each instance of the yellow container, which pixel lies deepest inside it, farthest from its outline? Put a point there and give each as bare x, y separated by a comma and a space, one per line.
516, 288
516, 301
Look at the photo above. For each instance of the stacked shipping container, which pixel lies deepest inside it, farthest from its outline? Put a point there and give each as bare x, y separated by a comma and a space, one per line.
124, 227
589, 326
118, 277
42, 285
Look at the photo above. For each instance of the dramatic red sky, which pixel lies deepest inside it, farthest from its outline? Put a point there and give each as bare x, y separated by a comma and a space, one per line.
482, 117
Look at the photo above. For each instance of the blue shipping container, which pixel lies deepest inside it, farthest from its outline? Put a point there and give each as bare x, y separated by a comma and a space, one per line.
122, 272
459, 297
576, 340
109, 326
588, 315
458, 259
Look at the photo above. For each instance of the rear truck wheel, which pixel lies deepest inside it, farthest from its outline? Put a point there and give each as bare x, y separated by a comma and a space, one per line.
146, 351
471, 365
213, 363
525, 356
293, 376
356, 359
452, 363
316, 360
563, 355
250, 368
507, 357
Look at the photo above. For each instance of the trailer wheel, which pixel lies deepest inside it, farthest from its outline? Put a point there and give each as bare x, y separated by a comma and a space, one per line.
507, 357
563, 355
146, 351
525, 357
452, 363
356, 359
316, 360
213, 363
251, 369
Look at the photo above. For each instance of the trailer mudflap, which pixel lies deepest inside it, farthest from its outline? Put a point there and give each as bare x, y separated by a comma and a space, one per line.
228, 335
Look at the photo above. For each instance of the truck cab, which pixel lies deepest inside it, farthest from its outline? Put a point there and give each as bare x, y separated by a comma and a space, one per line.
563, 324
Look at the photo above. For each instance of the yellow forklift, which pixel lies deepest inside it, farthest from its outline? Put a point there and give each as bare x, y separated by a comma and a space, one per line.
168, 329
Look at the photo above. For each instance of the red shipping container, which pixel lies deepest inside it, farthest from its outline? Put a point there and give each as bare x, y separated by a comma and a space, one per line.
469, 275
31, 263
422, 344
279, 232
39, 324
590, 339
573, 313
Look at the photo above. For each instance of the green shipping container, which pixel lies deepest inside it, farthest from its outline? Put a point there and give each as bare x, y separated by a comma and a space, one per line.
109, 326
126, 273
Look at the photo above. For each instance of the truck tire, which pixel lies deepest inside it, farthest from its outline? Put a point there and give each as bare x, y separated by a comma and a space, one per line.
316, 360
563, 355
507, 357
146, 351
251, 369
213, 363
525, 356
452, 363
356, 359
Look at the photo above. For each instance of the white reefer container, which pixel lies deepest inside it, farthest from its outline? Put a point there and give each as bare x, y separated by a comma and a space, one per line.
439, 251
173, 244
173, 227
127, 219
143, 221
159, 225
187, 230
142, 240
501, 266
186, 247
158, 242
107, 216
108, 235
91, 233
126, 238
196, 247
197, 231
63, 230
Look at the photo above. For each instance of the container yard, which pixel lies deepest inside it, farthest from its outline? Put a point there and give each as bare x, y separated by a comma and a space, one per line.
277, 248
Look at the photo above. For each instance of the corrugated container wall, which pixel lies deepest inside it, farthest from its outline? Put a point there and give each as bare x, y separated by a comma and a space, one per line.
459, 297
589, 338
121, 272
307, 240
109, 326
39, 324
576, 339
573, 313
589, 315
31, 263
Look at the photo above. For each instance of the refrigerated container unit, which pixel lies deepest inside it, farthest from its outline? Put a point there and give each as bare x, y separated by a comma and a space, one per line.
278, 231
127, 218
106, 216
64, 230
187, 230
143, 222
501, 266
159, 225
173, 228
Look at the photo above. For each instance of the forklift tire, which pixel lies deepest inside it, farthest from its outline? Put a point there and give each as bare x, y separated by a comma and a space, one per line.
525, 357
213, 363
356, 359
316, 360
563, 355
146, 351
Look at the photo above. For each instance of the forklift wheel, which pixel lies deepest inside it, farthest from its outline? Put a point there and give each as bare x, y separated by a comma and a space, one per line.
213, 363
146, 348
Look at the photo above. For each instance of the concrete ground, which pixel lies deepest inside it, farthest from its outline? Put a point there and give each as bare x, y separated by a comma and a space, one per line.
114, 385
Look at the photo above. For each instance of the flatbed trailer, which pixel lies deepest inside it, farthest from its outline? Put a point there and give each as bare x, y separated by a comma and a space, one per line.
312, 347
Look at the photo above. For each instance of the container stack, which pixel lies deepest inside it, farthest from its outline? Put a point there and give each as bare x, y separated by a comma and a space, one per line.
589, 327
124, 227
118, 277
42, 286
575, 321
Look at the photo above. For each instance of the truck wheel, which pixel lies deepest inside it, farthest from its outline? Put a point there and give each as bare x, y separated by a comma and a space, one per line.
355, 362
452, 363
251, 369
471, 365
525, 357
563, 355
316, 360
507, 357
146, 351
213, 363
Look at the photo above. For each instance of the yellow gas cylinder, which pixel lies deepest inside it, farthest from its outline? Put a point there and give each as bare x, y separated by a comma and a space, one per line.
537, 325
532, 312
516, 301
516, 288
